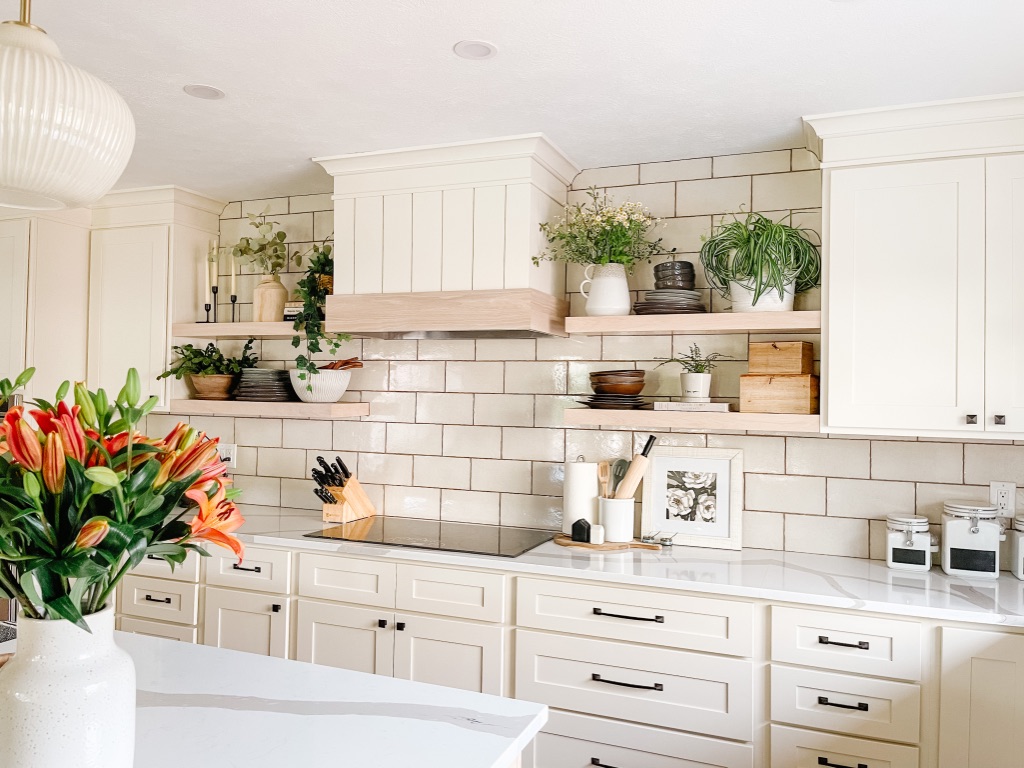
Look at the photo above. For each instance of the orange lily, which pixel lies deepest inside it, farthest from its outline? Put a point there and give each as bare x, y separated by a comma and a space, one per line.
64, 421
92, 533
202, 456
22, 440
217, 518
181, 436
54, 464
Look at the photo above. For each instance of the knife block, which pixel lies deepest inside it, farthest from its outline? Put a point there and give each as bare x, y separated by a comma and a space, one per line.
353, 503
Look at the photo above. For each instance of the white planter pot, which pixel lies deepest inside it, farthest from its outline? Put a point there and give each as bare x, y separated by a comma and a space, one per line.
608, 293
770, 301
67, 698
696, 386
328, 386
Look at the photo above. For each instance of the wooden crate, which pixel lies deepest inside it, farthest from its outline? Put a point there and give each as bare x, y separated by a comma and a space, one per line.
790, 357
779, 393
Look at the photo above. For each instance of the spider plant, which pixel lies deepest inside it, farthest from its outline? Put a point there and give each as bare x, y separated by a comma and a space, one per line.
761, 255
695, 361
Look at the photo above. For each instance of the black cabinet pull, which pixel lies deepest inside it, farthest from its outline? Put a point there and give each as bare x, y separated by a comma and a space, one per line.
1000, 420
400, 626
276, 607
658, 619
151, 599
656, 687
862, 645
824, 761
382, 623
597, 761
972, 418
254, 569
153, 557
860, 706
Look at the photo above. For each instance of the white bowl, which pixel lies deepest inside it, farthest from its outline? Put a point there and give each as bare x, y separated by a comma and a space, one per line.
328, 386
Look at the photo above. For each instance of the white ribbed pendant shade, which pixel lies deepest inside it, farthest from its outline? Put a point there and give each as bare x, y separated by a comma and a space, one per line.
65, 135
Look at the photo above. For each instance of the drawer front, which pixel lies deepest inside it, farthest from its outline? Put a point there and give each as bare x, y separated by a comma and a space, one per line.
847, 643
677, 621
703, 694
346, 579
858, 706
795, 748
159, 629
577, 741
265, 570
160, 599
450, 592
158, 568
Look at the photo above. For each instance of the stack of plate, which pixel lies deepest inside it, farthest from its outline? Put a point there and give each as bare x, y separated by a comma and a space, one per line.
667, 301
618, 390
678, 275
266, 385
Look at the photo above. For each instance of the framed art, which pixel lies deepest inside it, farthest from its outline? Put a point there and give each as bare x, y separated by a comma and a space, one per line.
694, 495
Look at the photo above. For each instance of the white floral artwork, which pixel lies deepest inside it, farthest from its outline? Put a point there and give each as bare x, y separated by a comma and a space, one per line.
691, 496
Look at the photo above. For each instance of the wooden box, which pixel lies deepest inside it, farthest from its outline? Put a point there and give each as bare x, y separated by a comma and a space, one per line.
791, 357
775, 393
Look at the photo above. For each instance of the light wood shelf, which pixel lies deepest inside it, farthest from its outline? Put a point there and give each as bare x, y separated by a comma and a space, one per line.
698, 420
290, 410
232, 330
710, 322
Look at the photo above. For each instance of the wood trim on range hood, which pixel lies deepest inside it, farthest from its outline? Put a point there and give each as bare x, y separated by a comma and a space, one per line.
508, 313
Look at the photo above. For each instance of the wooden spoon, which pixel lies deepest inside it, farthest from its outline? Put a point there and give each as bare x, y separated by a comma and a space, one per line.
604, 474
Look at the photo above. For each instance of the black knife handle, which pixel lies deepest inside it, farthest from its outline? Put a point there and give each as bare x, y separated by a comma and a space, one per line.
344, 469
325, 466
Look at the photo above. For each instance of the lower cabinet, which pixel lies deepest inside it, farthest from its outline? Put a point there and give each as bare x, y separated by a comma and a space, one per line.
159, 629
360, 639
797, 748
246, 621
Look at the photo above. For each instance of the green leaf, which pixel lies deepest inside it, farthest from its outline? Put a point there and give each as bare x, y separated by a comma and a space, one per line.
66, 609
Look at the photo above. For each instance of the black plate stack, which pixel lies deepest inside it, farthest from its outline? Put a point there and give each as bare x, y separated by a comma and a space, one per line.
674, 292
264, 385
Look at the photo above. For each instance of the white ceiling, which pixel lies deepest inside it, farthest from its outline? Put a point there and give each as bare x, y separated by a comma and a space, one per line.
609, 81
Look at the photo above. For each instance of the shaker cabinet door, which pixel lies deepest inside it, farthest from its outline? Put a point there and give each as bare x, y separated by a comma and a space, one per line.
14, 244
246, 621
345, 637
457, 654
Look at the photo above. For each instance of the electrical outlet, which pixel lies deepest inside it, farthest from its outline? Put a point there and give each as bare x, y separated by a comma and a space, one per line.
228, 454
1004, 496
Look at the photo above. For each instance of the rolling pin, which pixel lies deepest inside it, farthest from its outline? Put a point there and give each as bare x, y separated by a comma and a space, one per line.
635, 473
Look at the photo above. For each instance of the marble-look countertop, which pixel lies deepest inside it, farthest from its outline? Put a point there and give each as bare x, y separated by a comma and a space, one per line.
821, 580
212, 708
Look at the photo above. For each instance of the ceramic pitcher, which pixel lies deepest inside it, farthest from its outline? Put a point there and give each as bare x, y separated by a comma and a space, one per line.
606, 290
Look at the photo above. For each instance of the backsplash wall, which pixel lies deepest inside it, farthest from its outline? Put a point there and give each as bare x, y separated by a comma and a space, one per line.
471, 430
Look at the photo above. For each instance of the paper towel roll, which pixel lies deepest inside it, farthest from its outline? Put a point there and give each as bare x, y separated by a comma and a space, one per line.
579, 494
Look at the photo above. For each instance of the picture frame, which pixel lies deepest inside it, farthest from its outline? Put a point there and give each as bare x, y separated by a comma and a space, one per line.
694, 495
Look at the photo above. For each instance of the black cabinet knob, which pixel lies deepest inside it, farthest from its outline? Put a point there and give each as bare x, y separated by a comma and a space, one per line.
400, 626
382, 623
276, 607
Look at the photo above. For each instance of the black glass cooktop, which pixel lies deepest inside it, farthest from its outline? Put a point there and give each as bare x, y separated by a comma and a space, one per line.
472, 538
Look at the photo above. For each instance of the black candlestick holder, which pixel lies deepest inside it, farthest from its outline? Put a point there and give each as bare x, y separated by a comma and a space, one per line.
215, 290
207, 308
234, 300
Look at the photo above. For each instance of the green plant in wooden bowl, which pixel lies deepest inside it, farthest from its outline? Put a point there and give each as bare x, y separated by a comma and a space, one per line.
211, 373
759, 263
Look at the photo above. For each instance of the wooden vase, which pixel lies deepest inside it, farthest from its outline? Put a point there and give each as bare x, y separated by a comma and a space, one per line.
268, 300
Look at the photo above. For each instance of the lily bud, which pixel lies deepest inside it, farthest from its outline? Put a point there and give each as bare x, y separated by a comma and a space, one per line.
22, 441
103, 476
133, 388
31, 483
92, 533
87, 412
54, 464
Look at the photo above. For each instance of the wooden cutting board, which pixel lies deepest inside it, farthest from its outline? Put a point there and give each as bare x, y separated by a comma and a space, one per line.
609, 546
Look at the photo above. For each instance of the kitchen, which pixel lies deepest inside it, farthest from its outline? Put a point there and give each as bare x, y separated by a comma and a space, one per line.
848, 594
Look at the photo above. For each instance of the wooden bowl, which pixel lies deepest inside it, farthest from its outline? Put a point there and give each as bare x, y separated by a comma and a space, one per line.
631, 388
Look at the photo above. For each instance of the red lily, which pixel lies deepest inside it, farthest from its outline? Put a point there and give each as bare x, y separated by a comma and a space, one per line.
66, 424
22, 440
54, 464
217, 518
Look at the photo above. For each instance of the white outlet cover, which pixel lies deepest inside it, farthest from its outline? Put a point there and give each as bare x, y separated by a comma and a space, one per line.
228, 454
1010, 490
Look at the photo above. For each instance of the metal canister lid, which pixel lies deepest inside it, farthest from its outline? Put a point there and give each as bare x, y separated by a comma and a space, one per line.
1018, 523
903, 522
983, 510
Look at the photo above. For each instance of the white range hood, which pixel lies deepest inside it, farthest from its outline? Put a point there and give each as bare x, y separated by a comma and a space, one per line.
438, 241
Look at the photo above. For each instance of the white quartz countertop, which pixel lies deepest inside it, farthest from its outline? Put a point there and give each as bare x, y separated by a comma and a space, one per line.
821, 580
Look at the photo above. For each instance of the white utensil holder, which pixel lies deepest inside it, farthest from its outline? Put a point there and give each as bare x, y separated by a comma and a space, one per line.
616, 515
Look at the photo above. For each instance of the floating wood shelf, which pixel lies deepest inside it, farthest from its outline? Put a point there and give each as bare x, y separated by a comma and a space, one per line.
270, 410
232, 330
699, 420
710, 322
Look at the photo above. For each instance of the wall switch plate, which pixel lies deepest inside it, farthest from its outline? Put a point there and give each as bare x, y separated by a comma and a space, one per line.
1004, 496
228, 454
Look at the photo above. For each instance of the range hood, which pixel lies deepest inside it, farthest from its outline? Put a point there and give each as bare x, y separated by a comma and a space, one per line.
438, 242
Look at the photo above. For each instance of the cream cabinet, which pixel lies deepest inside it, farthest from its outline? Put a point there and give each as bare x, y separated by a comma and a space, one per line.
246, 621
343, 636
457, 654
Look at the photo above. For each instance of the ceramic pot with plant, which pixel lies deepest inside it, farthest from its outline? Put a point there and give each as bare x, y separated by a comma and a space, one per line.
210, 372
610, 240
266, 252
695, 380
760, 264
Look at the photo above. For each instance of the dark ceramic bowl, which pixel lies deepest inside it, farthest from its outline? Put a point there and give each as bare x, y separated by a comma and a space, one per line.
632, 388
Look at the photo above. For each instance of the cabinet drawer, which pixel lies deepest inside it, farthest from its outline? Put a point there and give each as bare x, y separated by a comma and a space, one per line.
450, 592
859, 706
657, 618
795, 748
266, 570
577, 741
367, 582
847, 643
677, 689
160, 599
157, 567
159, 629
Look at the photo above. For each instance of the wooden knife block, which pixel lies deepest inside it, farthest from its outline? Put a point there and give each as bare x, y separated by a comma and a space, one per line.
353, 503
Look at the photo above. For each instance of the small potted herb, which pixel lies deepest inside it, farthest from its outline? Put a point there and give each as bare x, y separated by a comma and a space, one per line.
267, 252
696, 376
210, 372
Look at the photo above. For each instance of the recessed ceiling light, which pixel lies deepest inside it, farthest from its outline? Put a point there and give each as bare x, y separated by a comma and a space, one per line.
204, 91
475, 49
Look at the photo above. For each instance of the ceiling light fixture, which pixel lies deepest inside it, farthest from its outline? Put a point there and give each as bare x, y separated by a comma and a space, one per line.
65, 135
207, 92
475, 50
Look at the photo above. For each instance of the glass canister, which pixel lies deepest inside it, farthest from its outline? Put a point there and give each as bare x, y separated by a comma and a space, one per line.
971, 533
909, 544
1016, 535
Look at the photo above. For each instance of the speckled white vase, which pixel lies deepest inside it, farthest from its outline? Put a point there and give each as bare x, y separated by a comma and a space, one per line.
67, 698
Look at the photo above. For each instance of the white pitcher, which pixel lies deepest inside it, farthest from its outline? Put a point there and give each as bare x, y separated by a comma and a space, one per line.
609, 291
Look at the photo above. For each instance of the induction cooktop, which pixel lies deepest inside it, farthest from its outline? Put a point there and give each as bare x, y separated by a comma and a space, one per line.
472, 538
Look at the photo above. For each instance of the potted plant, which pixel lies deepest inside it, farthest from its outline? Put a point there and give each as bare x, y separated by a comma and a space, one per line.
696, 376
759, 263
84, 498
210, 372
266, 252
610, 241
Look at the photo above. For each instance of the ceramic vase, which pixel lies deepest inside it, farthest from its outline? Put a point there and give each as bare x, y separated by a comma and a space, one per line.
606, 290
268, 300
213, 386
696, 387
67, 698
769, 301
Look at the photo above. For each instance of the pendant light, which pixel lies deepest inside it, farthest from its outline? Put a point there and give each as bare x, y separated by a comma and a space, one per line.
65, 135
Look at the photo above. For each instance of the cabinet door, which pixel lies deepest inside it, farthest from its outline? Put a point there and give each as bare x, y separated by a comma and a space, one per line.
906, 297
128, 320
14, 243
456, 654
246, 621
1004, 307
345, 637
981, 699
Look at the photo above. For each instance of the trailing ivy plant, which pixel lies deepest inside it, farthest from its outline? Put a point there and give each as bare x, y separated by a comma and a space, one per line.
210, 361
309, 323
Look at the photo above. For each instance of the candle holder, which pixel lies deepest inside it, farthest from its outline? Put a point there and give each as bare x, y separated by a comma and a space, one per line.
215, 290
207, 308
234, 300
